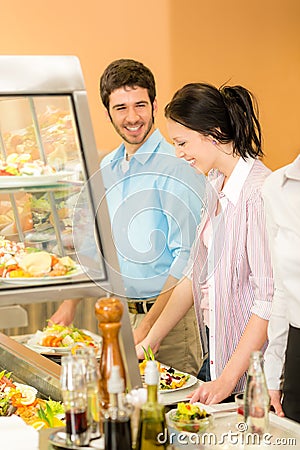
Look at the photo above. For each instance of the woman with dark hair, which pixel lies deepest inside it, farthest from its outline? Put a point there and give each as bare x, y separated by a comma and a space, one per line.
229, 275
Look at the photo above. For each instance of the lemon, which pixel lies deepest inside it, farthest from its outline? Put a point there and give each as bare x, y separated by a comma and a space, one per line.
39, 424
58, 422
28, 397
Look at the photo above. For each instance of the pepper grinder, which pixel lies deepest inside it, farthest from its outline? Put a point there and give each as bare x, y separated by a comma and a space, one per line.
109, 311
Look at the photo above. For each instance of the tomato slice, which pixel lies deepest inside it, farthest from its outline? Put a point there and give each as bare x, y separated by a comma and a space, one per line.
3, 173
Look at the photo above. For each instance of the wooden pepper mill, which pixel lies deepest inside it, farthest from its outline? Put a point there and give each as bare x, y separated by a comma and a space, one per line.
109, 311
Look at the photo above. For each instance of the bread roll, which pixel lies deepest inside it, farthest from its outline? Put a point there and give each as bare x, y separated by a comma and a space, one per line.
37, 264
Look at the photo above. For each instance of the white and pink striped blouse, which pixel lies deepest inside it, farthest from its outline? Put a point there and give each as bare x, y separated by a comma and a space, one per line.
236, 266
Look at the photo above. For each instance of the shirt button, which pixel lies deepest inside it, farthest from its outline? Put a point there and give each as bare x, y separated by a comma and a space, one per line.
221, 194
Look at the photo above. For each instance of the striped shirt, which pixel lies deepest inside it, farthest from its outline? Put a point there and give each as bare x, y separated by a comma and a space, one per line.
236, 265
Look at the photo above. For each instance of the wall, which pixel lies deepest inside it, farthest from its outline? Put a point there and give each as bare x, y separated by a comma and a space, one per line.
97, 32
253, 43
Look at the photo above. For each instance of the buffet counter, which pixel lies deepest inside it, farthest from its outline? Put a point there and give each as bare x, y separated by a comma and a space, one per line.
227, 432
27, 367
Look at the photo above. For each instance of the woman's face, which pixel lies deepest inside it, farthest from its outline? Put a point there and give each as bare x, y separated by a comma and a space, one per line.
199, 150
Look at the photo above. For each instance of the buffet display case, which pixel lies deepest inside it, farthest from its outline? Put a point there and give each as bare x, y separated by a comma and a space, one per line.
51, 194
52, 199
30, 368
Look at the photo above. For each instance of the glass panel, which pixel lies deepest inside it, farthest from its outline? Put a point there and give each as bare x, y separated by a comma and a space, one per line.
44, 202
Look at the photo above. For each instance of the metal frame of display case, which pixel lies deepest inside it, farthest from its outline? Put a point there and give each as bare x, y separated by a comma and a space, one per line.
51, 75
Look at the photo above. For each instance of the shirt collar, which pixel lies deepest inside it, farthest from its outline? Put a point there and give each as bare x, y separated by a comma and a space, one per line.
292, 171
235, 183
143, 153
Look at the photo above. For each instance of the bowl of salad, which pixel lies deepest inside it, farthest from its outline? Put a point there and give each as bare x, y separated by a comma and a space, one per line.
190, 418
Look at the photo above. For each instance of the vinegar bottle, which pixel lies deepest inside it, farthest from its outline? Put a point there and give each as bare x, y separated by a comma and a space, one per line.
117, 428
109, 312
74, 394
257, 400
92, 382
152, 426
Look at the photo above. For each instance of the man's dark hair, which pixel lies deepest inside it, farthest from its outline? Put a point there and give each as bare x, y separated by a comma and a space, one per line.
126, 72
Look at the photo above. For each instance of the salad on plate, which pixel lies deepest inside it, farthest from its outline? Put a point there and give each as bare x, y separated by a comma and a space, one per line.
170, 378
23, 400
63, 338
18, 261
22, 165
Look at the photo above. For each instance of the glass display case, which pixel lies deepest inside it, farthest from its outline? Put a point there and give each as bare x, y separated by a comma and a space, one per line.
55, 238
48, 166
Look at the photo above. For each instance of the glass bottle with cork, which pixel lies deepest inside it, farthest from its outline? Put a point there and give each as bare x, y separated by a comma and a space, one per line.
74, 394
117, 429
152, 425
256, 397
92, 380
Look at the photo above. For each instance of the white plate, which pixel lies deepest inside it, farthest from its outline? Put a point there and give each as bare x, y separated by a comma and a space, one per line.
33, 343
190, 382
34, 280
34, 180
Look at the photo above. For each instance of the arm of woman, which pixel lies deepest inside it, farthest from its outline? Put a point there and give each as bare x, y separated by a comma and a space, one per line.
253, 338
150, 318
178, 304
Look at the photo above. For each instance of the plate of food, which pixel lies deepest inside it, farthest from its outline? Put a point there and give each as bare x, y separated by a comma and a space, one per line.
173, 380
60, 339
19, 170
22, 400
189, 418
16, 181
20, 264
76, 271
170, 379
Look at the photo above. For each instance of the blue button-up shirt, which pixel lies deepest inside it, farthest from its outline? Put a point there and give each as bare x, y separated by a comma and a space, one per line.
154, 202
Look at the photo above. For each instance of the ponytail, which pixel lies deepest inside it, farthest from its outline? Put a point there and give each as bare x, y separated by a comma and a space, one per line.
241, 107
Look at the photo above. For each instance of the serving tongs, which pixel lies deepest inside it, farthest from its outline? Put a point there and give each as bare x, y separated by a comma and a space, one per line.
11, 410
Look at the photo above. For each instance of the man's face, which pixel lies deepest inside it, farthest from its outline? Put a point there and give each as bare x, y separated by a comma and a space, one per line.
132, 114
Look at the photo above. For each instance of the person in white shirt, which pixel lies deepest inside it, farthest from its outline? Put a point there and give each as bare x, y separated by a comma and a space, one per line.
281, 194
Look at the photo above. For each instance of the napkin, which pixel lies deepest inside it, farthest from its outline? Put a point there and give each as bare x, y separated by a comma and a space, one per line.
16, 435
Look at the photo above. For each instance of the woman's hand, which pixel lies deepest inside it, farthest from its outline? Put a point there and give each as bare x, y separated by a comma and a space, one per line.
275, 401
145, 344
211, 392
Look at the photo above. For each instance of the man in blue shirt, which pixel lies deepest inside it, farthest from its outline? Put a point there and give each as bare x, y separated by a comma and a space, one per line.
154, 202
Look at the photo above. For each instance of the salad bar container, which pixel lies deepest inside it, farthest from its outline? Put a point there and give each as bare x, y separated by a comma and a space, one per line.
30, 368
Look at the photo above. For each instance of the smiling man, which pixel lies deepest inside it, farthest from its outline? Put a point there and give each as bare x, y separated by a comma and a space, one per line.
154, 201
